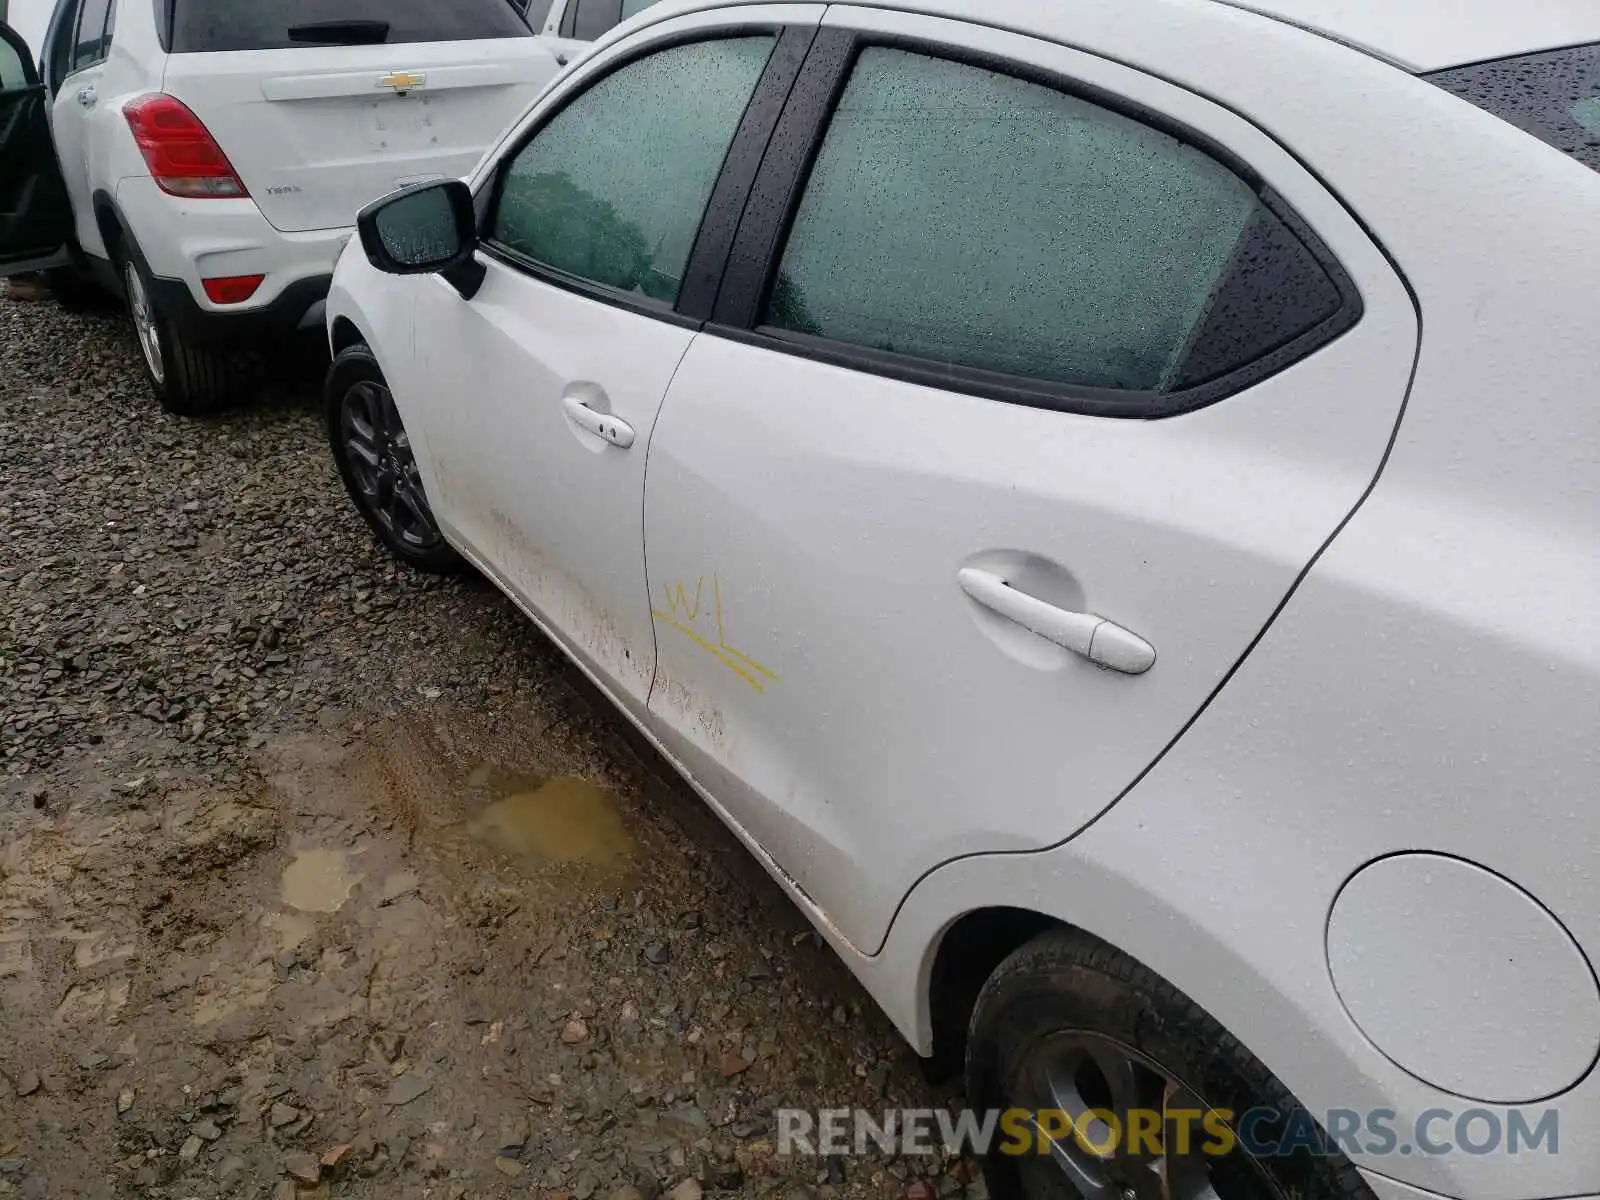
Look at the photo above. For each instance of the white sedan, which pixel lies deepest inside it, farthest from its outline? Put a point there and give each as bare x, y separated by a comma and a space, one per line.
1100, 498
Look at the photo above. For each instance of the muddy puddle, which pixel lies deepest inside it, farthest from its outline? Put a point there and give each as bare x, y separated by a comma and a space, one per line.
566, 821
319, 880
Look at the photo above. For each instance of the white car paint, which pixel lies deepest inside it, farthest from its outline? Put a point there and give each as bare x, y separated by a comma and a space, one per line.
1430, 683
310, 130
1476, 949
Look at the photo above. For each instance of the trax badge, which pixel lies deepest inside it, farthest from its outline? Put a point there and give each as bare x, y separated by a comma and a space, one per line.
403, 81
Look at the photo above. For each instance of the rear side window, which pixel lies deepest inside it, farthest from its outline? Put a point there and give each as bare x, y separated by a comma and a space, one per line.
975, 220
93, 39
1554, 95
200, 26
588, 20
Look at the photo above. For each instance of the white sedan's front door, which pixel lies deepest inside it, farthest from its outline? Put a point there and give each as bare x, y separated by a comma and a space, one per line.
538, 394
1037, 386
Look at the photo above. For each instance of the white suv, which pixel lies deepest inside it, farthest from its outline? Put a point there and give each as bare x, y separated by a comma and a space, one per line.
215, 152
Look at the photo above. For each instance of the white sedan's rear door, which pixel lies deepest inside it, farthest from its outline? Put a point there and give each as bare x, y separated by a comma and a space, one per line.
1042, 383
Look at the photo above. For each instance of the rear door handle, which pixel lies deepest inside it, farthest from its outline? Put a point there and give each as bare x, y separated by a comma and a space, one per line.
87, 96
1102, 642
602, 425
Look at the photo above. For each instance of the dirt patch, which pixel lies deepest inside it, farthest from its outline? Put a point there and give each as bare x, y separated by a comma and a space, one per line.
317, 875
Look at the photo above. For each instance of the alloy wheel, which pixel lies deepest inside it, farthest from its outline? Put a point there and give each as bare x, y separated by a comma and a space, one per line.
144, 322
1088, 1076
383, 467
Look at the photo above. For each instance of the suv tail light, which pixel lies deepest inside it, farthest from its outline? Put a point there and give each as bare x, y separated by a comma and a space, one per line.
182, 155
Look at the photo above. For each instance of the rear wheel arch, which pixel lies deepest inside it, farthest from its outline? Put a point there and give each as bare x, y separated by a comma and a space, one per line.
968, 952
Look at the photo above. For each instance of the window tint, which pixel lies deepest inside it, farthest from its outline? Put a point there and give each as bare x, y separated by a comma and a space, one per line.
595, 17
199, 26
632, 8
978, 220
1555, 96
612, 189
536, 12
92, 40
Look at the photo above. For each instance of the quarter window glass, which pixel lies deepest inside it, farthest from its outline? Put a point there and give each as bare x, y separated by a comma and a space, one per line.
972, 218
613, 188
93, 24
632, 8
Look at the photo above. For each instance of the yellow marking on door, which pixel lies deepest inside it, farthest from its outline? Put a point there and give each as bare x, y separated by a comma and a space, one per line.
683, 616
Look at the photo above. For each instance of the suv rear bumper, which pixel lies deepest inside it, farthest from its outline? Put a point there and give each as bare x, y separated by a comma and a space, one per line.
184, 242
291, 309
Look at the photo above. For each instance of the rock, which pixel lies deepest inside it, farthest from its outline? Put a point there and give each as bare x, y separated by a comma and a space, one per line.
124, 1100
91, 1061
657, 954
921, 1189
733, 1063
689, 1189
335, 1155
27, 1082
575, 1032
190, 1150
284, 1190
390, 1044
406, 1089
628, 1193
507, 1166
513, 1136
209, 1130
303, 1168
282, 1114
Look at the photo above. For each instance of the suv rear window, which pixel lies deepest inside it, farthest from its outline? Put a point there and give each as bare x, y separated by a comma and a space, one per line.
200, 26
1554, 95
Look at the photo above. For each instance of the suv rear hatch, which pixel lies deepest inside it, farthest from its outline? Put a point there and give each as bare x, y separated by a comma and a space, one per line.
325, 105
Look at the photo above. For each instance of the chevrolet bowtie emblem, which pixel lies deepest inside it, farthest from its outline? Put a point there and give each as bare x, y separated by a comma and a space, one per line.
403, 81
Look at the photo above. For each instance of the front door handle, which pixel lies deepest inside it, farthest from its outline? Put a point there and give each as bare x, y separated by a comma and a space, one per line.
87, 96
1102, 642
602, 425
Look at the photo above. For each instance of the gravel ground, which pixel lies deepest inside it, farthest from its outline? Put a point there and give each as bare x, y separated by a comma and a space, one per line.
321, 878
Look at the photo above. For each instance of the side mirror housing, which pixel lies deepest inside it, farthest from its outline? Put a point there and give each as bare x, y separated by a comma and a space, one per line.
427, 229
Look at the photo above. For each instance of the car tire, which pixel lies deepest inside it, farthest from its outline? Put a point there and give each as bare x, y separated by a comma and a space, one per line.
188, 380
1065, 1016
372, 452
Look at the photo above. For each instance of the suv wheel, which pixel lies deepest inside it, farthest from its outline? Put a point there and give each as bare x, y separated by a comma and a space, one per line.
1070, 1027
187, 379
373, 453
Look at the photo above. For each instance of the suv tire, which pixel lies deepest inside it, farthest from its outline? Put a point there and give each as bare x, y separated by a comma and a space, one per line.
189, 380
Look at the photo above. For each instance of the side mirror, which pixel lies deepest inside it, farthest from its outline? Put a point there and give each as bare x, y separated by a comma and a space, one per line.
423, 230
